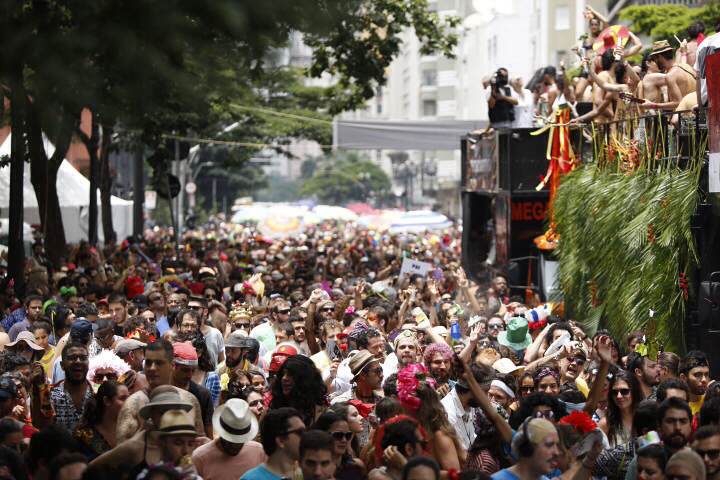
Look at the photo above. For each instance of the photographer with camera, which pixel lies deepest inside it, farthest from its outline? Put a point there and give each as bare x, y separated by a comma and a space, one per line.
501, 100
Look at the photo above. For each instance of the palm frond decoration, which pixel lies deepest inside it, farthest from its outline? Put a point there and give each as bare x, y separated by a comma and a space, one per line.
625, 240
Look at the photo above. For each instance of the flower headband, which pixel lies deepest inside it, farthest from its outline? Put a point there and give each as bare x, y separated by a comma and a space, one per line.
409, 380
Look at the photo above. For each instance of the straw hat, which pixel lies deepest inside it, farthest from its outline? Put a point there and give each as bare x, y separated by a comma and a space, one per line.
660, 46
177, 422
235, 422
165, 397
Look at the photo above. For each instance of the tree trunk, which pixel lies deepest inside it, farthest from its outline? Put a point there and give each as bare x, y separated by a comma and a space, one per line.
16, 252
91, 144
106, 186
43, 175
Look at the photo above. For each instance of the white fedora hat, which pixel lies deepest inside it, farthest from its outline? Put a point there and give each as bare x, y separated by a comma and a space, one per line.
235, 422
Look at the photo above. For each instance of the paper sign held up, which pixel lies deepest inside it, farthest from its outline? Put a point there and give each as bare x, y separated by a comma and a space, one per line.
414, 267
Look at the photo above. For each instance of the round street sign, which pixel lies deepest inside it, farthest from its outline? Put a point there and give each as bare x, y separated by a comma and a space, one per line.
190, 188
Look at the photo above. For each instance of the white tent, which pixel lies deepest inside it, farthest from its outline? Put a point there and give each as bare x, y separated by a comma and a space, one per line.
74, 195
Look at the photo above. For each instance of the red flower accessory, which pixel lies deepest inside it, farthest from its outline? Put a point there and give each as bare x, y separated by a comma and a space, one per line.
409, 379
364, 409
581, 421
537, 325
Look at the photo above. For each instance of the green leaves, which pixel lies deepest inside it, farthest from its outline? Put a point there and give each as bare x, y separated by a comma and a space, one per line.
662, 22
343, 180
624, 241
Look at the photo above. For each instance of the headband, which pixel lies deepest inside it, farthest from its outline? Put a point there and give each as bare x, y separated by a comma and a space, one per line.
499, 384
544, 372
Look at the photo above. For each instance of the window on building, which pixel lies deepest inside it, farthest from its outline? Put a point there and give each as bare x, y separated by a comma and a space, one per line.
429, 78
429, 108
562, 17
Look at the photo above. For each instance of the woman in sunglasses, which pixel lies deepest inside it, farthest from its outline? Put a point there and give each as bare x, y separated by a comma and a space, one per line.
348, 468
624, 394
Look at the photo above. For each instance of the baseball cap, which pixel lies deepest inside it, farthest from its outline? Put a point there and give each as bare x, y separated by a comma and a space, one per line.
81, 328
126, 346
185, 354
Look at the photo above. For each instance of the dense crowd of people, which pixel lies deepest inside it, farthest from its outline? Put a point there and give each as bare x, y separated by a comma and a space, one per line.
239, 356
616, 79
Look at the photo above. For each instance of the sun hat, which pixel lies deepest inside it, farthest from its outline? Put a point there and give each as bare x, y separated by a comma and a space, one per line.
26, 337
166, 397
516, 336
660, 46
359, 361
505, 366
235, 422
177, 422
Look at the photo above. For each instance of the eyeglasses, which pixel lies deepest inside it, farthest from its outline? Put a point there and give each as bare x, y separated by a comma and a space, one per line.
710, 454
77, 358
623, 392
102, 377
546, 414
298, 431
342, 435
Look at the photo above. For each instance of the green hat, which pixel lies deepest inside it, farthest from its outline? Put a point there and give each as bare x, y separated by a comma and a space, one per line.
516, 336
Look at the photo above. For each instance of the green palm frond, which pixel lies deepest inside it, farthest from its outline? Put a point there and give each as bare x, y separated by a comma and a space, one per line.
627, 237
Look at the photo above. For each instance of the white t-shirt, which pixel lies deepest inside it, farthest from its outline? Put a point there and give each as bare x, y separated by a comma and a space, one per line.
524, 110
707, 47
215, 344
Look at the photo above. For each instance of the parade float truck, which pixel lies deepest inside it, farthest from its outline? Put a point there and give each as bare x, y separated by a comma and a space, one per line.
621, 223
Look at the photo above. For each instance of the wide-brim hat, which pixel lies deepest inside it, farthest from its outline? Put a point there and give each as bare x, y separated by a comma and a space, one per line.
177, 422
235, 422
517, 335
660, 46
167, 397
28, 338
360, 361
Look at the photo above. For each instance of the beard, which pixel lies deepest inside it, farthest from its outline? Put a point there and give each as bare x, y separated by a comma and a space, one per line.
675, 441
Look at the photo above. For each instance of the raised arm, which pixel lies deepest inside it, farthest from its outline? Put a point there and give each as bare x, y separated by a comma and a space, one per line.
636, 46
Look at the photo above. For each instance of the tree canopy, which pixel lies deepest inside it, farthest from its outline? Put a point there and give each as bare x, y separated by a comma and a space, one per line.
663, 22
344, 179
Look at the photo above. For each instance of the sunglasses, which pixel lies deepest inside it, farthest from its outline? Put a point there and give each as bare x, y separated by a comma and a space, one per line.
710, 454
195, 307
547, 415
494, 326
327, 310
284, 311
342, 435
527, 389
623, 392
577, 360
242, 325
102, 377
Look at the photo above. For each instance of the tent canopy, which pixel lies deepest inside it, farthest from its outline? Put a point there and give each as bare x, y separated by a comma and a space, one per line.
402, 135
73, 191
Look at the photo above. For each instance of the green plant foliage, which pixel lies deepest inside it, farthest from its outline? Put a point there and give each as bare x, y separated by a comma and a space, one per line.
343, 180
663, 22
625, 239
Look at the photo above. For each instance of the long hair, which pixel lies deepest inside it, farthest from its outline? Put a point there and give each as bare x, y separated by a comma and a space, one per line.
95, 406
433, 418
308, 391
614, 415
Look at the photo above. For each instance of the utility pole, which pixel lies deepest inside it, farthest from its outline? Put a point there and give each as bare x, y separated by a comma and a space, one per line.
16, 251
138, 193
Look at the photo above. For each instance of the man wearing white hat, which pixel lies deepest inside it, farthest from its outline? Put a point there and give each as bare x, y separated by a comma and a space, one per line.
234, 452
